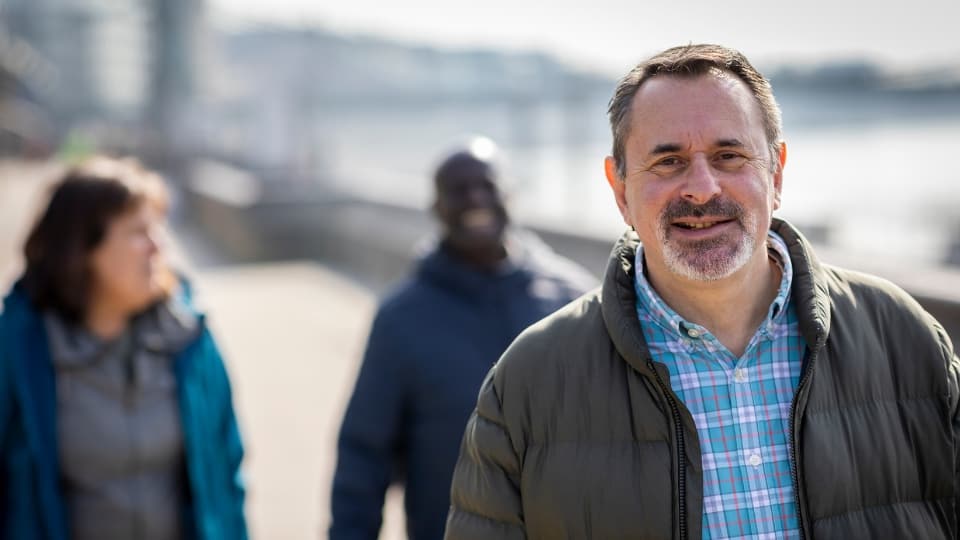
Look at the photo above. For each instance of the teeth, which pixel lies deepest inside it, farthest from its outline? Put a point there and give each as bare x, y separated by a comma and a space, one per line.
478, 218
700, 225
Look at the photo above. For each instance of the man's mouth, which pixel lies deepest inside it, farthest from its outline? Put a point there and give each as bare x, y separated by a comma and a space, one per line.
479, 218
699, 225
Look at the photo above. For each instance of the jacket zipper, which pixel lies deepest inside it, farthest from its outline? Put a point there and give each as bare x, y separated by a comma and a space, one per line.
681, 463
794, 473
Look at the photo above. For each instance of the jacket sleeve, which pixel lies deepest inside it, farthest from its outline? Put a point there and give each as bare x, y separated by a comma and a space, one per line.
231, 441
6, 411
6, 391
485, 497
368, 446
953, 374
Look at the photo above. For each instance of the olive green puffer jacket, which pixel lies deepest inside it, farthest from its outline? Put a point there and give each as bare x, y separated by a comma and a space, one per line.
577, 434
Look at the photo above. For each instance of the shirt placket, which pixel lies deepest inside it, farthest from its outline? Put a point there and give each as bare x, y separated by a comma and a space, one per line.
693, 353
755, 458
707, 354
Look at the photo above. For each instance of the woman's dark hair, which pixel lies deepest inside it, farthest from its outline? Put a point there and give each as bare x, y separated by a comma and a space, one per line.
82, 204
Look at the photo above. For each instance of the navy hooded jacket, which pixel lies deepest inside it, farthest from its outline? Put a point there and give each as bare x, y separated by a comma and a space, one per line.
432, 342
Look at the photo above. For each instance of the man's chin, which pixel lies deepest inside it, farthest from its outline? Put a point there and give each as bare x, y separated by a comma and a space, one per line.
491, 234
479, 240
710, 264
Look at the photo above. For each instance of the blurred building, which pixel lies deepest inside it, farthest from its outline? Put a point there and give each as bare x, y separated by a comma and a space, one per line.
292, 102
25, 127
114, 66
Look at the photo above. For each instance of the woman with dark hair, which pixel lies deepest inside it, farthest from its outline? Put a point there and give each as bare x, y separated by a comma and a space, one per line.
116, 417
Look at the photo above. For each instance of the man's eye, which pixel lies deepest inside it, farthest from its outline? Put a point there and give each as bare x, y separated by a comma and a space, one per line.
667, 166
668, 162
728, 156
730, 160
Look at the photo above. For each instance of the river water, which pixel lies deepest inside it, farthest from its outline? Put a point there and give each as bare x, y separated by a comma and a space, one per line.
876, 176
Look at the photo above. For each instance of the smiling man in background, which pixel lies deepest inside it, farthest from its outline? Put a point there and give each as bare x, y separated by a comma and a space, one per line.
723, 383
432, 342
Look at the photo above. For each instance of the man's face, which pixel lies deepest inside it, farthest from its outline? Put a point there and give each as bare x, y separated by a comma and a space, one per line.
701, 185
470, 205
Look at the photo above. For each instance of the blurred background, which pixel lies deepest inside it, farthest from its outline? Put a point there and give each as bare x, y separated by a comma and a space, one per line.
299, 138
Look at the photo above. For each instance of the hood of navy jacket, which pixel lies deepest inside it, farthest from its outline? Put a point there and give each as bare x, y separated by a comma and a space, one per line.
530, 262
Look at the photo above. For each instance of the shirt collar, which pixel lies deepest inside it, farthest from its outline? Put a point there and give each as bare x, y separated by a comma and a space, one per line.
663, 315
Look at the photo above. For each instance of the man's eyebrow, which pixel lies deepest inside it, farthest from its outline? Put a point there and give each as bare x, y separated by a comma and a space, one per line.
729, 143
665, 148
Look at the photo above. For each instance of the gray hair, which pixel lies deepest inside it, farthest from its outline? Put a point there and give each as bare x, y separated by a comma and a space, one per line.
692, 61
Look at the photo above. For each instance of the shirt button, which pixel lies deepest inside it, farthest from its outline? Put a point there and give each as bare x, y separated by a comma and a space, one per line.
755, 460
740, 375
693, 332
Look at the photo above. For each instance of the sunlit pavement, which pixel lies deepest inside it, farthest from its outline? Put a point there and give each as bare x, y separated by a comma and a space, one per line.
292, 335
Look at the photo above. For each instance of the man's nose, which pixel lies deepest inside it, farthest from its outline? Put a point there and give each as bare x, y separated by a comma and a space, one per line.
701, 182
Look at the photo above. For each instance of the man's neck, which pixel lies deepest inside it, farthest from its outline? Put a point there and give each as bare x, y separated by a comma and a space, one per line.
731, 308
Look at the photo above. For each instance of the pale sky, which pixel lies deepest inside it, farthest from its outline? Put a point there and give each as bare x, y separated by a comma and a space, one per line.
611, 35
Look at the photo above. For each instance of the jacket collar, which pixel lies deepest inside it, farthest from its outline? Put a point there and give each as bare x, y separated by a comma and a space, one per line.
809, 293
618, 301
166, 328
443, 268
810, 290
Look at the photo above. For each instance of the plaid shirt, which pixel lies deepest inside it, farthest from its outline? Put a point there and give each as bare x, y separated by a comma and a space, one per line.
741, 407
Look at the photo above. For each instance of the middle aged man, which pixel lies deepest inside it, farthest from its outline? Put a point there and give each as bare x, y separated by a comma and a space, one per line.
724, 383
433, 340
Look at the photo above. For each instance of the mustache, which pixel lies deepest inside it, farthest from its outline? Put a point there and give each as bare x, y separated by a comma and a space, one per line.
717, 207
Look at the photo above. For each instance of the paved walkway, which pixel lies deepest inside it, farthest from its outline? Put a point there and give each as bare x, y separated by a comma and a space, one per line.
292, 335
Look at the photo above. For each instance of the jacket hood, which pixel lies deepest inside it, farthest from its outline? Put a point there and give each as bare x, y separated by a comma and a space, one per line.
527, 256
170, 325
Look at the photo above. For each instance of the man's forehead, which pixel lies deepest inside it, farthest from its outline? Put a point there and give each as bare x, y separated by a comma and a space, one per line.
671, 88
464, 168
671, 106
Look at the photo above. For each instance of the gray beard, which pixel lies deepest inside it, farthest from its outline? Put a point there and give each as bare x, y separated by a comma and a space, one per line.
713, 259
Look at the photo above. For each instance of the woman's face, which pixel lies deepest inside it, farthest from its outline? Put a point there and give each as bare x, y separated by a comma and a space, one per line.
127, 265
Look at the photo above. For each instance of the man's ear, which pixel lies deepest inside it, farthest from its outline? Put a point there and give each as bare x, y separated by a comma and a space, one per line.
778, 175
619, 187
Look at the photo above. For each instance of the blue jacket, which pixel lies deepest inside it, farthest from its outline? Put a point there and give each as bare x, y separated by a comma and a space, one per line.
31, 504
432, 342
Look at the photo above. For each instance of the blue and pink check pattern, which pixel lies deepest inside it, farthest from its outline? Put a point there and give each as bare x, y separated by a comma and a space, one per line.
741, 407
